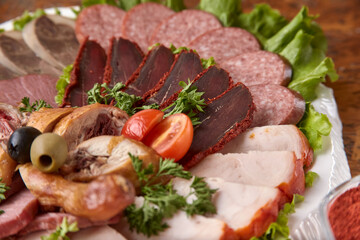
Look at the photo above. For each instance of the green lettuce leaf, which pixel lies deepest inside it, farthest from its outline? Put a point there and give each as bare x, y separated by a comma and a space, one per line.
62, 83
88, 3
225, 11
310, 177
27, 17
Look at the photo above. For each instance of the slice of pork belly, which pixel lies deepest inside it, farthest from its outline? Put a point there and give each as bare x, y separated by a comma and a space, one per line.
273, 138
276, 105
224, 42
123, 58
17, 56
247, 209
279, 169
53, 39
186, 66
183, 227
138, 24
223, 119
154, 66
88, 69
33, 86
259, 67
19, 210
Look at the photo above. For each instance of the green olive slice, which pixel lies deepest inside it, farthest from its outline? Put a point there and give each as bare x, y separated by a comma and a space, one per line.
48, 152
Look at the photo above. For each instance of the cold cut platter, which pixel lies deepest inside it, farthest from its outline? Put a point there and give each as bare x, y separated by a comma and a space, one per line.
226, 141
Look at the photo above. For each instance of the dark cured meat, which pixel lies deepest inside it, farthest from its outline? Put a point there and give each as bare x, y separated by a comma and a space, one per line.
123, 58
154, 66
224, 118
88, 69
212, 81
187, 65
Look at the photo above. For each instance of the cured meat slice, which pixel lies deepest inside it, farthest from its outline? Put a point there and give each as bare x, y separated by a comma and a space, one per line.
154, 66
260, 67
90, 121
224, 118
279, 169
182, 27
33, 86
88, 69
17, 56
10, 119
224, 43
273, 138
276, 105
183, 227
186, 66
6, 73
140, 21
247, 209
53, 39
19, 210
123, 59
99, 23
212, 82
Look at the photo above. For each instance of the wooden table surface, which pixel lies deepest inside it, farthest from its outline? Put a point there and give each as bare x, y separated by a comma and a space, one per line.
341, 23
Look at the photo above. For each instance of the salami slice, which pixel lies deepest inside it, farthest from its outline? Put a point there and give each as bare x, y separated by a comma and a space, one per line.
261, 67
224, 43
276, 105
182, 27
139, 22
100, 23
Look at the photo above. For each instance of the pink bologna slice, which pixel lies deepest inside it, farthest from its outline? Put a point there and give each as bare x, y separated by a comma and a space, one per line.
100, 23
182, 27
224, 43
260, 67
139, 23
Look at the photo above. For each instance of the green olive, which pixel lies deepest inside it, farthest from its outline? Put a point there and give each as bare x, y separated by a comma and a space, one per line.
48, 152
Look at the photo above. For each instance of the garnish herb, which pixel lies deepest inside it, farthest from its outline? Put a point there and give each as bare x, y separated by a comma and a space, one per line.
27, 107
162, 201
27, 17
310, 177
62, 83
3, 189
206, 63
2, 30
57, 11
61, 231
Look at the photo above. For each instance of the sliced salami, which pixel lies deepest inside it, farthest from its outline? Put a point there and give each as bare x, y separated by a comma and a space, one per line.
100, 23
182, 27
139, 22
224, 43
261, 67
276, 105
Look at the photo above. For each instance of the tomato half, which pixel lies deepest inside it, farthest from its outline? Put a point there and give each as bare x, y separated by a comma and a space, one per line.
140, 124
172, 137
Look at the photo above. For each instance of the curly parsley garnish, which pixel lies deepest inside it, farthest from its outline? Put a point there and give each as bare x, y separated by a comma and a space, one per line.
62, 230
3, 189
35, 106
27, 17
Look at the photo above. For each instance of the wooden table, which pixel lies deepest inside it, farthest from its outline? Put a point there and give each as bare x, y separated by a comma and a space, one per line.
341, 23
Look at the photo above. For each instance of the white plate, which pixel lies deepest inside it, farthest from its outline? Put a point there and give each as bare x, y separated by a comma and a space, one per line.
330, 163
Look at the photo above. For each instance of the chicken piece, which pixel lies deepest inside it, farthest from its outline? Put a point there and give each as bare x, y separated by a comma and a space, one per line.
279, 169
99, 200
105, 155
247, 209
273, 138
90, 121
7, 167
46, 118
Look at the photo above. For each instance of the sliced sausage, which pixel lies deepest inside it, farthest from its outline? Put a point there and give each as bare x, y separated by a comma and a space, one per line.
260, 67
100, 23
182, 27
276, 105
224, 43
140, 21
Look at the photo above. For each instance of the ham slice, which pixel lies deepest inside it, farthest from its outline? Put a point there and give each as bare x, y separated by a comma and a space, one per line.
279, 169
273, 138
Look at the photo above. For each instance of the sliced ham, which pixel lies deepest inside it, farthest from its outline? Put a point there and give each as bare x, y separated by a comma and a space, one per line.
181, 28
273, 138
259, 67
19, 210
224, 42
279, 169
276, 105
140, 21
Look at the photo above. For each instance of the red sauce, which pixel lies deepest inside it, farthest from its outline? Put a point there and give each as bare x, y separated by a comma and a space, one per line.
344, 215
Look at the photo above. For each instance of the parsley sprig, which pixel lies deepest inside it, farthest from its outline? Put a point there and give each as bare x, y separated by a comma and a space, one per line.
161, 200
35, 106
62, 230
3, 189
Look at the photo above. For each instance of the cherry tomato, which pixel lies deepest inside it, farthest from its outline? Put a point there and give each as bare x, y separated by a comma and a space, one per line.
172, 137
140, 124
